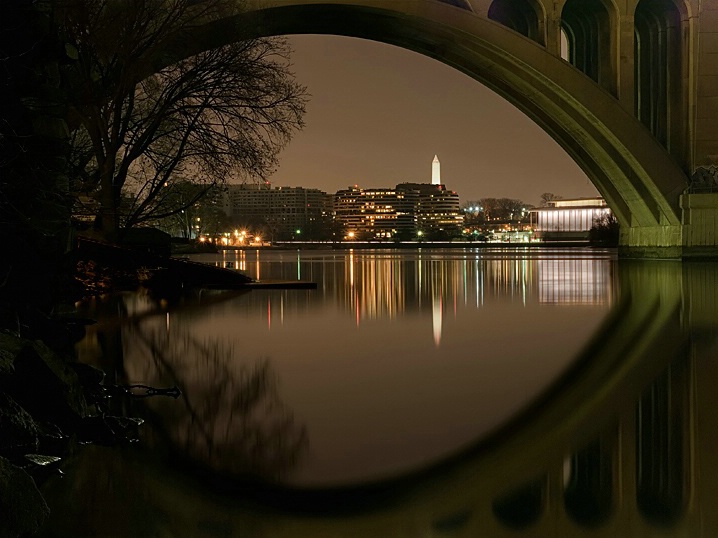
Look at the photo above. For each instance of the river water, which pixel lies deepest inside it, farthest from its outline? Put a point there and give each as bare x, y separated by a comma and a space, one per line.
404, 375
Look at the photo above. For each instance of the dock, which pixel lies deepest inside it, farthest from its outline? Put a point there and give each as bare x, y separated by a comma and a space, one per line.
262, 285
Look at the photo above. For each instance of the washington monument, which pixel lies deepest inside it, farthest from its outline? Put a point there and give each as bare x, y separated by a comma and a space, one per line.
435, 171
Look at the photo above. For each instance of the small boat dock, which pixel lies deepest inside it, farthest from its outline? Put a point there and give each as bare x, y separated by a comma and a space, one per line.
268, 285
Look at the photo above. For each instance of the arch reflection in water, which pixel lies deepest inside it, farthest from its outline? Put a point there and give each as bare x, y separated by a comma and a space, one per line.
598, 490
521, 508
646, 380
588, 498
662, 450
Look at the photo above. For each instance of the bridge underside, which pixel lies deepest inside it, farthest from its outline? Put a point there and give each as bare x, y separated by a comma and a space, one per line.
643, 185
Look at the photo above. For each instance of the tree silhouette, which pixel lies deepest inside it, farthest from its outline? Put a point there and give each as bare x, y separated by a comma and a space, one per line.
230, 418
549, 197
224, 112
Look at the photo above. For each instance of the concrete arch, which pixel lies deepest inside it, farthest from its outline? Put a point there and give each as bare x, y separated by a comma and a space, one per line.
632, 171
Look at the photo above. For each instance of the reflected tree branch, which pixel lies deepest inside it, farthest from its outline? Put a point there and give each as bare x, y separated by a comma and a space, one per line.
231, 419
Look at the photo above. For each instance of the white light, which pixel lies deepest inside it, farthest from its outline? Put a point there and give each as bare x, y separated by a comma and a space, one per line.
436, 171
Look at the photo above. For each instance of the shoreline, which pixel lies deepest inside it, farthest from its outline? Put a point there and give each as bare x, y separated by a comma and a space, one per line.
348, 245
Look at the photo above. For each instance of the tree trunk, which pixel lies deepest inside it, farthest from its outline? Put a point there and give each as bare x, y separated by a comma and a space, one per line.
107, 222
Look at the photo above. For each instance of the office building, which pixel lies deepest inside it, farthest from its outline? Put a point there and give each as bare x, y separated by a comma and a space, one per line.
375, 213
281, 210
438, 210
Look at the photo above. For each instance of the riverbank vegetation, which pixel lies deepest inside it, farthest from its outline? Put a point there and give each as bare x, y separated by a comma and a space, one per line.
605, 231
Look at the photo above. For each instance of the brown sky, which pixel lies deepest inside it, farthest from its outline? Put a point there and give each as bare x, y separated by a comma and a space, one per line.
378, 114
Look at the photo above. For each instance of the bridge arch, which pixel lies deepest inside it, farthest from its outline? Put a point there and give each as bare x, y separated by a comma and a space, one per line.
629, 167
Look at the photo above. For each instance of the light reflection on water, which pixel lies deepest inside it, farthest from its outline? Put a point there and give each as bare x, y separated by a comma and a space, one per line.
624, 445
385, 283
399, 358
347, 383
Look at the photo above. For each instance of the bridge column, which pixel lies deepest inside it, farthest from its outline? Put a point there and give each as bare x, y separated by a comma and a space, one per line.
553, 28
626, 63
695, 238
659, 241
705, 150
700, 225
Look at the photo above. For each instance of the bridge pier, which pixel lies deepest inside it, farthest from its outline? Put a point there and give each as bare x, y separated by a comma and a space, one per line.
662, 241
695, 238
700, 225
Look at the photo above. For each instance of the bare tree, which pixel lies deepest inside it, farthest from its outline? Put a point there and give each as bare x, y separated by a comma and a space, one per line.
502, 208
221, 113
511, 209
190, 209
549, 197
490, 207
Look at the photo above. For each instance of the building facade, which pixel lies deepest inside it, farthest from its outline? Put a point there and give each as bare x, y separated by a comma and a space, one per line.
438, 210
568, 219
283, 211
408, 211
375, 213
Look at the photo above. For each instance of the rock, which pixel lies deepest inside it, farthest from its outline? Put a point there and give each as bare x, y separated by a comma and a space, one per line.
88, 375
44, 384
41, 467
41, 459
10, 347
108, 430
18, 430
22, 507
6, 363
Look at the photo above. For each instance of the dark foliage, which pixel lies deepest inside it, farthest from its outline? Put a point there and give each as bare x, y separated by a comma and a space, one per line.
605, 231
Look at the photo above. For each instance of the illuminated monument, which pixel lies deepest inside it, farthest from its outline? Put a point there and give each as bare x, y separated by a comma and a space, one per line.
383, 213
438, 210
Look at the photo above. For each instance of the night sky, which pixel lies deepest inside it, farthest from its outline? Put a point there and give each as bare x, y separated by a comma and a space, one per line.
379, 113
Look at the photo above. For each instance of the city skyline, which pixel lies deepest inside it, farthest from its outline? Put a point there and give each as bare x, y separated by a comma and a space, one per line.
378, 114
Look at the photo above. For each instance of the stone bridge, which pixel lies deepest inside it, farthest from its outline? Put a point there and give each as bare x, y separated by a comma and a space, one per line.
628, 88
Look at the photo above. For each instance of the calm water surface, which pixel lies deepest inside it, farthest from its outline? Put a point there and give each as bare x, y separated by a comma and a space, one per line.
399, 367
397, 359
